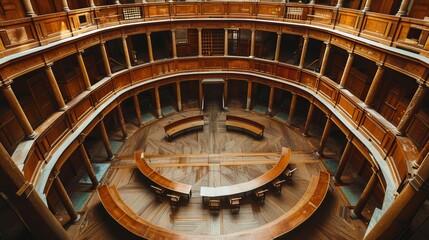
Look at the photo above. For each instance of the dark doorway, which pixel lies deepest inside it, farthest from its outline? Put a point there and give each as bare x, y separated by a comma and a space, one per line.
213, 95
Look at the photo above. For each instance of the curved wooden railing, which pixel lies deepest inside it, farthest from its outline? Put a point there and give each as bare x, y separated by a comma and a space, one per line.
250, 186
158, 179
305, 208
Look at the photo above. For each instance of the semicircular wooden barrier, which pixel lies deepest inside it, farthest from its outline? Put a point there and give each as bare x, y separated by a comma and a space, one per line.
306, 206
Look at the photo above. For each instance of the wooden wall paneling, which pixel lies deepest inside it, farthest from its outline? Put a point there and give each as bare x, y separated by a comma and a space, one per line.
156, 10
342, 42
348, 21
55, 54
369, 52
263, 66
323, 15
213, 8
81, 21
239, 64
350, 108
31, 162
418, 130
52, 28
53, 135
18, 36
308, 80
407, 67
286, 72
183, 9
122, 80
270, 10
141, 73
274, 28
380, 28
21, 67
107, 16
88, 42
11, 132
80, 110
237, 9
319, 35
377, 132
111, 35
71, 87
103, 92
327, 90
294, 30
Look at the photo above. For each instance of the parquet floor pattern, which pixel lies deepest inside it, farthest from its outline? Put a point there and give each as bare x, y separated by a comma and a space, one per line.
215, 157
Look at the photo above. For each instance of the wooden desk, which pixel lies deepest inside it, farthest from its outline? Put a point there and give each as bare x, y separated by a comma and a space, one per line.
184, 125
242, 188
244, 124
156, 178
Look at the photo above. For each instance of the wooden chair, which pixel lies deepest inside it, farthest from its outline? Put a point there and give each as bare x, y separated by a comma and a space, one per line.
159, 192
234, 204
214, 206
277, 186
289, 173
260, 195
174, 202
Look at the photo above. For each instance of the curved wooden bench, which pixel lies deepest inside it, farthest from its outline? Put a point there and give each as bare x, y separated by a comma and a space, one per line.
184, 125
156, 178
250, 186
244, 124
306, 206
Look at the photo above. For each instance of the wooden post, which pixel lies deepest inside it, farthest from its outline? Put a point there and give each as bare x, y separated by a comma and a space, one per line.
367, 5
54, 86
325, 58
82, 66
117, 2
339, 4
200, 42
28, 205
225, 50
270, 101
304, 51
126, 52
412, 109
308, 120
325, 136
179, 96
122, 122
249, 95
376, 82
149, 47
366, 194
347, 68
138, 111
28, 8
343, 161
200, 93
105, 59
18, 111
158, 102
173, 43
252, 43
88, 166
278, 44
65, 199
399, 215
225, 93
292, 109
91, 3
65, 5
403, 8
105, 139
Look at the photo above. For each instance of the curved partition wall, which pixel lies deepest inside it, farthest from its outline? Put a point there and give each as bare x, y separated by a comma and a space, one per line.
58, 86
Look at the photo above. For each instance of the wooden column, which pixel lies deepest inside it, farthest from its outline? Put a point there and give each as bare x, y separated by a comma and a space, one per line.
117, 2
27, 203
14, 104
65, 5
122, 122
91, 3
367, 5
179, 96
82, 66
225, 50
375, 85
105, 59
252, 43
149, 47
249, 95
423, 154
412, 108
325, 136
308, 120
225, 93
126, 52
347, 68
200, 93
173, 43
403, 8
138, 111
65, 199
292, 109
270, 100
278, 44
339, 4
200, 42
105, 139
88, 166
325, 58
343, 161
399, 215
28, 8
158, 102
304, 51
366, 194
54, 86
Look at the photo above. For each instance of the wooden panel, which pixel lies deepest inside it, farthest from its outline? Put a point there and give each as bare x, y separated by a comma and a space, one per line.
52, 28
55, 54
31, 163
327, 90
23, 66
369, 52
407, 67
418, 130
263, 67
349, 108
319, 35
287, 72
239, 64
347, 20
308, 80
111, 35
270, 10
341, 42
163, 68
157, 10
212, 8
184, 9
103, 91
236, 8
52, 136
217, 63
10, 131
139, 74
88, 42
121, 81
377, 132
80, 110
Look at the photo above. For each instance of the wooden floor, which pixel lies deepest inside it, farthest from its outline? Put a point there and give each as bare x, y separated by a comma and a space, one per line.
214, 157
